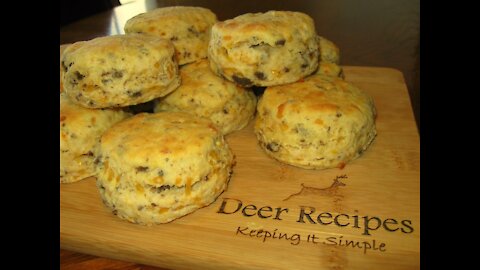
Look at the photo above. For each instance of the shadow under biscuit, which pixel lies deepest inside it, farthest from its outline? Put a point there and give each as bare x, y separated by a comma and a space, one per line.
258, 90
146, 107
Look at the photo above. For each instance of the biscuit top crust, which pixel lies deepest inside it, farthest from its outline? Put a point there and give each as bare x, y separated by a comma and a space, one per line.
199, 82
120, 70
164, 20
126, 46
205, 94
317, 97
153, 143
187, 27
272, 27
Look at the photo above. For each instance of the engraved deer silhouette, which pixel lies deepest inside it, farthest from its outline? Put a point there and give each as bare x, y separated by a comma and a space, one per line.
320, 191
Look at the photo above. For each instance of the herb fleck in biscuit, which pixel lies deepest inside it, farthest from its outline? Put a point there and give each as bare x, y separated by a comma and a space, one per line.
322, 122
118, 71
187, 27
264, 49
80, 131
155, 168
205, 94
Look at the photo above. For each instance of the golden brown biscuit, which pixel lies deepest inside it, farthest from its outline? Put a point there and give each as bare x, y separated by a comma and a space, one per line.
62, 49
329, 69
80, 131
264, 49
118, 71
321, 122
329, 61
187, 27
155, 168
329, 51
204, 94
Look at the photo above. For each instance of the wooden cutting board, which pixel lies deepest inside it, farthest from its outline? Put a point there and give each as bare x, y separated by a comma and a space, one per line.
275, 216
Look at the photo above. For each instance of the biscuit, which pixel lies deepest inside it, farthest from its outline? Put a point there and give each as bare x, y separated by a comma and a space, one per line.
80, 132
329, 69
157, 167
264, 49
329, 61
204, 94
187, 27
62, 49
321, 122
329, 51
120, 70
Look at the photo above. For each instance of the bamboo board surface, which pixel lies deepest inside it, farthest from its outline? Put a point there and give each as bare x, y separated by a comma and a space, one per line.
364, 216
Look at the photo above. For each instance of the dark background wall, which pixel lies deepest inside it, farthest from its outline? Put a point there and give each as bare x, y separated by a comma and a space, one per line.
73, 10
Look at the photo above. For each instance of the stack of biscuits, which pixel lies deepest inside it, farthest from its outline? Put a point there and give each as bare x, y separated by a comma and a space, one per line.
159, 162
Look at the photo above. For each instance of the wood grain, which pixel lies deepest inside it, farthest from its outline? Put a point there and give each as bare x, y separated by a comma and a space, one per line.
381, 185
